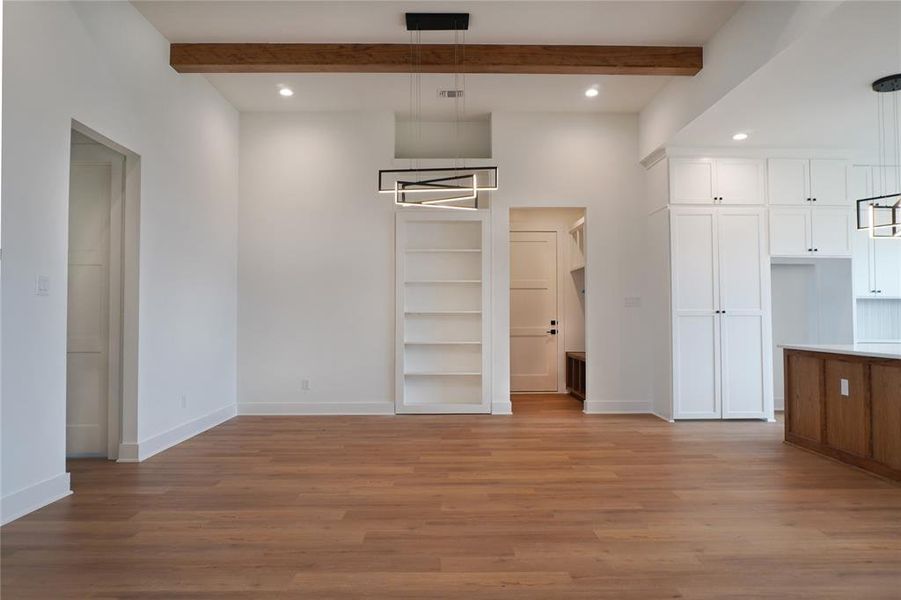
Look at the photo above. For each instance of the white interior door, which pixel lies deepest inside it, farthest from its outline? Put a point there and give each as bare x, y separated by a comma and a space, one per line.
533, 311
743, 293
87, 353
695, 323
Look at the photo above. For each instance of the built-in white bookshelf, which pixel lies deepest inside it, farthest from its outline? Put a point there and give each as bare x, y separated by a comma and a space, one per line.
442, 295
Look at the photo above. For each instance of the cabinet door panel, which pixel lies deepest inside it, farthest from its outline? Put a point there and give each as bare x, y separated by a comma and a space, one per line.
740, 240
743, 367
804, 396
740, 181
787, 181
790, 232
691, 181
886, 382
828, 182
693, 262
861, 252
886, 264
847, 417
696, 379
831, 231
885, 180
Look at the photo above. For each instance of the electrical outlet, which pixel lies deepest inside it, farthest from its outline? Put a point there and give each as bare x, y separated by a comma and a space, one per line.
305, 384
846, 391
184, 401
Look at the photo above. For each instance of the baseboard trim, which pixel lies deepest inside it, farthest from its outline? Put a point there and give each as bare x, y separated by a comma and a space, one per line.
163, 441
502, 407
18, 504
661, 417
316, 408
778, 403
615, 407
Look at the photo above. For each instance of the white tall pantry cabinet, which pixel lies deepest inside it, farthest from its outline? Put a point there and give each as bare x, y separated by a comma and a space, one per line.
720, 363
720, 298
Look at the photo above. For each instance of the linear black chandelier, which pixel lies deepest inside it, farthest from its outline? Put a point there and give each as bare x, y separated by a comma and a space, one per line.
881, 213
458, 187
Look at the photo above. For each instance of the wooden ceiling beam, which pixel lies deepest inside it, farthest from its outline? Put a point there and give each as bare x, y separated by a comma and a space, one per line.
435, 58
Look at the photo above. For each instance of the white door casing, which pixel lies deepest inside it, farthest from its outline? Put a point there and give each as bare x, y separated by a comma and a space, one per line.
533, 307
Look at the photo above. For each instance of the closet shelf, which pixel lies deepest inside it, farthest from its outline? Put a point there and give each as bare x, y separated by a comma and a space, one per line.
443, 250
442, 373
443, 312
442, 281
442, 343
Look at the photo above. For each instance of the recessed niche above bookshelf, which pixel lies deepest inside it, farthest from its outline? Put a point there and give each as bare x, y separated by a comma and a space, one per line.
442, 295
442, 139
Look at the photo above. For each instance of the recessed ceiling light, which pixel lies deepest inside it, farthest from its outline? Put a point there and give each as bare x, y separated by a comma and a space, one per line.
286, 92
740, 137
592, 91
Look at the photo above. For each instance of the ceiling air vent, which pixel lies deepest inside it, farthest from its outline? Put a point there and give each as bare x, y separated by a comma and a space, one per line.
450, 93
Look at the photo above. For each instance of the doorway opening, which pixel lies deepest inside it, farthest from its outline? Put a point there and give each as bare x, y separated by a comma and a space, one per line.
101, 340
547, 306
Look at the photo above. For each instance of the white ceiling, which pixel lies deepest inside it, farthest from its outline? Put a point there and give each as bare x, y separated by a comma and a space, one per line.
557, 22
816, 93
484, 93
553, 22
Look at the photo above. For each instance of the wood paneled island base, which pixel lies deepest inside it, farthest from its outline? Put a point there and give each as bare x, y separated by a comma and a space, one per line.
845, 402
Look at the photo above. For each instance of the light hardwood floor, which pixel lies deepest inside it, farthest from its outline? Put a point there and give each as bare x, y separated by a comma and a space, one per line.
546, 504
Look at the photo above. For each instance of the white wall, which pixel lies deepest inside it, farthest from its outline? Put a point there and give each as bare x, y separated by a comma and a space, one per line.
103, 65
316, 264
578, 160
316, 254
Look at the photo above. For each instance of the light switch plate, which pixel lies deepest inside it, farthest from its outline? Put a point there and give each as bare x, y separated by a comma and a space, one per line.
846, 391
42, 285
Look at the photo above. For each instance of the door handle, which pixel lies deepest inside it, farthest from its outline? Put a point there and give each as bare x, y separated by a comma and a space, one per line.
552, 331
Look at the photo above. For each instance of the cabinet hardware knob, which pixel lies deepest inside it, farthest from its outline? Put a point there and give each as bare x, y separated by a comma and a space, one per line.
552, 331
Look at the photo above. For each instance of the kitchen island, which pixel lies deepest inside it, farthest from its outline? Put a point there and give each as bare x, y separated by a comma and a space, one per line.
844, 401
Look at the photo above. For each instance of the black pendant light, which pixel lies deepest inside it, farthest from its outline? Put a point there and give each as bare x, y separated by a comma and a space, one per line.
458, 187
881, 214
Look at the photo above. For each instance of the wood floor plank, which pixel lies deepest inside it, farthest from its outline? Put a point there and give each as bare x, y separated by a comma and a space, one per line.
547, 503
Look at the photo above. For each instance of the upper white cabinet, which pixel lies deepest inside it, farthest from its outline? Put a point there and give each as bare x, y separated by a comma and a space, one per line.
820, 232
788, 181
717, 181
802, 182
828, 182
877, 263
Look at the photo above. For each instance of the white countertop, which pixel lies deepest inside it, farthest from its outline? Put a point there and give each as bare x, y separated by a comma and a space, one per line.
891, 351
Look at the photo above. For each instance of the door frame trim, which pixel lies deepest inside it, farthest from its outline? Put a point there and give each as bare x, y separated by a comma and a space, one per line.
123, 282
